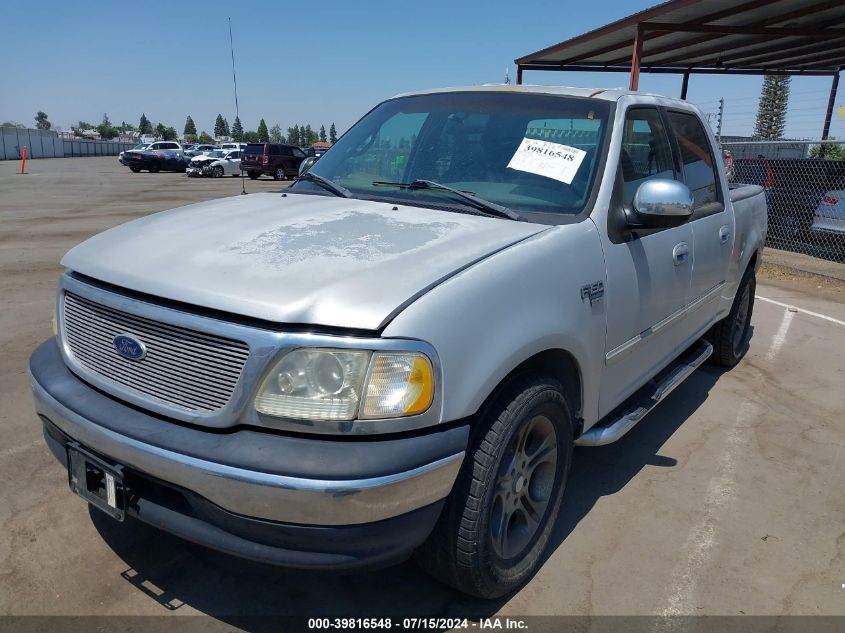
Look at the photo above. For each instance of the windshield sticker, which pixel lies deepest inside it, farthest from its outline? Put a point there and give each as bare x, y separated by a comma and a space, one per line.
544, 158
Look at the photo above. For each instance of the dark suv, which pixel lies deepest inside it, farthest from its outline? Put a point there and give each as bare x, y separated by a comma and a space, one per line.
279, 161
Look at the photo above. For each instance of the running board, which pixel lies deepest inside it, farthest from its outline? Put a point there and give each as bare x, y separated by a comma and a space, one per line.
655, 391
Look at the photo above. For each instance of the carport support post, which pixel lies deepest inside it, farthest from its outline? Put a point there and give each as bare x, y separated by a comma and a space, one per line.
635, 59
684, 86
518, 75
834, 86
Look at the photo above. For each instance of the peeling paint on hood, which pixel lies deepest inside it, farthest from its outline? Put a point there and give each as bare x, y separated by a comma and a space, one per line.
294, 259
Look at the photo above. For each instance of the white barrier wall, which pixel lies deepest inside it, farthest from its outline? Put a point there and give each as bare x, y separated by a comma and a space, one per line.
47, 144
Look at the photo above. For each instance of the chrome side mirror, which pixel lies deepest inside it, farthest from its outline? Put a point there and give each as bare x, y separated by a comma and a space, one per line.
305, 165
662, 202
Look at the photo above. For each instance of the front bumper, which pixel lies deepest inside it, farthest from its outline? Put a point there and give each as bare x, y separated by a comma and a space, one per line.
261, 495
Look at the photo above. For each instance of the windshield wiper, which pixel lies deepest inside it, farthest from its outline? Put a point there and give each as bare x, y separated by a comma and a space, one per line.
325, 183
490, 208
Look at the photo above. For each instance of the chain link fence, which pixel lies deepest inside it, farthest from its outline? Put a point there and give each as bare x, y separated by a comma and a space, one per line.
804, 183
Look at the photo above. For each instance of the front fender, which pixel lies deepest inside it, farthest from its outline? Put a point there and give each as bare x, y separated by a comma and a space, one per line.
486, 320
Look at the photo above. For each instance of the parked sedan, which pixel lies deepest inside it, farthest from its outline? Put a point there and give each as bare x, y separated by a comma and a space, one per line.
156, 160
140, 147
199, 150
830, 214
216, 164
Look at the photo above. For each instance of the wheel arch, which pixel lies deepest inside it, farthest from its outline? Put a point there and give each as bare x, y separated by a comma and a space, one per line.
556, 363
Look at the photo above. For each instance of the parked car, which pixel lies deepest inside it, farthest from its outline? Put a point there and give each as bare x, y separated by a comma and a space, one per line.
830, 213
138, 148
198, 150
399, 352
215, 164
155, 161
279, 161
239, 146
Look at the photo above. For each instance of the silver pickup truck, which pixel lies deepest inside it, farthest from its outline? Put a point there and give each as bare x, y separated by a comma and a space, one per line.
398, 353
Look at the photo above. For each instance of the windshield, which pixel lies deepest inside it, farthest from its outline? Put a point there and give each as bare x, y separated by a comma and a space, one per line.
534, 153
216, 154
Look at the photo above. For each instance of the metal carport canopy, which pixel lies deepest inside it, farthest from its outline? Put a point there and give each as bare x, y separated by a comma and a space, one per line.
720, 37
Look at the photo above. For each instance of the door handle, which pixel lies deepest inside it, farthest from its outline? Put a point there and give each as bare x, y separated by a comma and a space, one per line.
680, 253
724, 234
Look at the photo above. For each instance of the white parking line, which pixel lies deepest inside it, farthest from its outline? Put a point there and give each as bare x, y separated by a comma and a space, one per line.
801, 310
780, 338
703, 537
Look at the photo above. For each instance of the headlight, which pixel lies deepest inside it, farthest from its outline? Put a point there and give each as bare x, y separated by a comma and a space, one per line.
314, 384
333, 384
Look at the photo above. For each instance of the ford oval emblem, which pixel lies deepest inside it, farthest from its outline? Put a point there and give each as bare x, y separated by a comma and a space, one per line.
129, 347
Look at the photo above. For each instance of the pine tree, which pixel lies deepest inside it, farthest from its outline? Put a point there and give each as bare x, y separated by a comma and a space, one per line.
771, 112
263, 134
332, 134
310, 137
144, 125
220, 126
190, 128
293, 135
161, 131
323, 133
238, 130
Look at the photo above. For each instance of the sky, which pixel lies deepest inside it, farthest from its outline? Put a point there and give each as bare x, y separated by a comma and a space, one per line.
316, 63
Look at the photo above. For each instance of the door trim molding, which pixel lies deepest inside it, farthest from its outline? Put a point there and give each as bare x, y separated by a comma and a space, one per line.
617, 353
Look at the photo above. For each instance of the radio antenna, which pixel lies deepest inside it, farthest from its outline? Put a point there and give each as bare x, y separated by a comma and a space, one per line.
237, 113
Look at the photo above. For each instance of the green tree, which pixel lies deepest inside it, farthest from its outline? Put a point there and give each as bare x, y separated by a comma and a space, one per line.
190, 128
771, 111
220, 127
310, 135
332, 134
20, 126
105, 128
41, 121
323, 133
144, 125
169, 134
832, 151
251, 136
160, 130
263, 134
293, 135
276, 135
238, 130
204, 138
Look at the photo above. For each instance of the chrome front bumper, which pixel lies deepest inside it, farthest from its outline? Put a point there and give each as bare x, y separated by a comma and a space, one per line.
247, 492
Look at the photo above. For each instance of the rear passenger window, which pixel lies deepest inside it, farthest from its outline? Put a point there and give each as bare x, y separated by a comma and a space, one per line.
286, 151
698, 162
646, 152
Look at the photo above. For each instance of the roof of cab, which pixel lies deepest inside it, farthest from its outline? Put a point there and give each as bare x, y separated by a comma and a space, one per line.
608, 94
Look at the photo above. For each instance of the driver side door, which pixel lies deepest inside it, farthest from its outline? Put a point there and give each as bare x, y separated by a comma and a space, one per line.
649, 270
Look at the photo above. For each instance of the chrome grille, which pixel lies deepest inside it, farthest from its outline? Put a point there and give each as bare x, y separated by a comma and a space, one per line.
182, 367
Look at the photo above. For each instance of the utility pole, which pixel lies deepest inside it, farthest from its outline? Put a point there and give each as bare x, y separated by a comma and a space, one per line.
719, 120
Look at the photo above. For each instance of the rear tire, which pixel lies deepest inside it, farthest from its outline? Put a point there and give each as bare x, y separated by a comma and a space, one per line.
730, 336
496, 525
279, 174
253, 175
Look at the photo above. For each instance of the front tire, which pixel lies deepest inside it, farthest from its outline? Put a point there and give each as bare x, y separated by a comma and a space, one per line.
497, 521
730, 336
279, 174
253, 174
154, 167
217, 171
134, 170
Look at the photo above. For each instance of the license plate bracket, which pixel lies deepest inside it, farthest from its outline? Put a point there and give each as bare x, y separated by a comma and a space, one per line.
98, 482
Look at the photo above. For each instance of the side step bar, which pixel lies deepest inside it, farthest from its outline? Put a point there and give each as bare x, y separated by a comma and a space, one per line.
658, 388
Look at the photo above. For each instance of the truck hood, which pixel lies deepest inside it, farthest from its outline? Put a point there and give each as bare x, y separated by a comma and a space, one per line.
304, 259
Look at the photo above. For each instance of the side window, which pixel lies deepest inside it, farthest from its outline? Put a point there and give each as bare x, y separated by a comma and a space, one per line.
697, 157
298, 152
286, 151
646, 152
